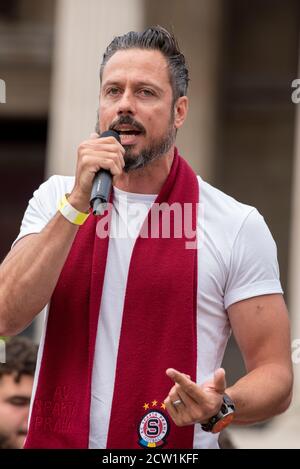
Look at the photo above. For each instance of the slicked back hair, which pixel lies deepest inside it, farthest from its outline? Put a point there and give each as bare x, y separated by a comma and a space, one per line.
154, 38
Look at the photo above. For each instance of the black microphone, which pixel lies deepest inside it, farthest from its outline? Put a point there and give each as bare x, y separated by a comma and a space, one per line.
102, 183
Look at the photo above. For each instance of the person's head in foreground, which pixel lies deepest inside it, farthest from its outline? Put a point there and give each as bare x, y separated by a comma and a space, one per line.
16, 380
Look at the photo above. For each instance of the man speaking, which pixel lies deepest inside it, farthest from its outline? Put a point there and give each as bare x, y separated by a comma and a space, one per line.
138, 316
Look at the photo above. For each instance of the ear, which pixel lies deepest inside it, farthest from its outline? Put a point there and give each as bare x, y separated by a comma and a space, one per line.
180, 111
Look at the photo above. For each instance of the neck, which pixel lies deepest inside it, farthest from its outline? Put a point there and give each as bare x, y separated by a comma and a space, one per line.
148, 180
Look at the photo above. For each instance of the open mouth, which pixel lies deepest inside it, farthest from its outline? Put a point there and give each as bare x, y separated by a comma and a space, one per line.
128, 134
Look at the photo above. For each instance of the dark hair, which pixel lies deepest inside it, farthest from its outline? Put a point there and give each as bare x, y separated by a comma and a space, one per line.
156, 38
21, 354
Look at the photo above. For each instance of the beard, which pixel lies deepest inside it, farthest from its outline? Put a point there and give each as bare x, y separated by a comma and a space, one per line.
152, 152
155, 150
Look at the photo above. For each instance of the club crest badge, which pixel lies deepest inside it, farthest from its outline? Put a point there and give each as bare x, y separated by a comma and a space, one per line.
154, 426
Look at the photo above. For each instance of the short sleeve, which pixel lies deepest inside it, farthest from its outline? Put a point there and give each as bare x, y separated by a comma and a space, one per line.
41, 207
253, 269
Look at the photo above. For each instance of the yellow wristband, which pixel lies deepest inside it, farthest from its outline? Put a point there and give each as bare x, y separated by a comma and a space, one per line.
71, 213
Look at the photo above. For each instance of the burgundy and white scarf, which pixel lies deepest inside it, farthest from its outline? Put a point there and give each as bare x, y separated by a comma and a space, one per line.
158, 331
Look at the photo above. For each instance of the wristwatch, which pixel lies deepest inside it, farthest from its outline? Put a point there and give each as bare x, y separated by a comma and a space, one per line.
223, 418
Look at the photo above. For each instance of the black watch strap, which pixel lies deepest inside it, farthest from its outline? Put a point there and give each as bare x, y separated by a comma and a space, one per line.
222, 418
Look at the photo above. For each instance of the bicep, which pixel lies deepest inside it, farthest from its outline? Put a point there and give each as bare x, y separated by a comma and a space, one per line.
261, 328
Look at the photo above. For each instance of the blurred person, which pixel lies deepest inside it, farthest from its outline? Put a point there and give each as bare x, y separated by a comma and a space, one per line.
16, 380
137, 325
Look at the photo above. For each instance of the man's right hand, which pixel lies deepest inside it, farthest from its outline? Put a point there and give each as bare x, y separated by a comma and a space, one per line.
29, 273
94, 154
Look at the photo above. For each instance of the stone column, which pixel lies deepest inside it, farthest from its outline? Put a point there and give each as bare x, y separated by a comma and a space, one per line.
83, 29
197, 24
283, 431
294, 264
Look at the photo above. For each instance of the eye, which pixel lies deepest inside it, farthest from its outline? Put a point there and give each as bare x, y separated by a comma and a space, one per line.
113, 91
19, 401
146, 92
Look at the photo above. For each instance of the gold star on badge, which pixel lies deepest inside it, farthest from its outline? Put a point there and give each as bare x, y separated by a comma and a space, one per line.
163, 406
154, 403
146, 406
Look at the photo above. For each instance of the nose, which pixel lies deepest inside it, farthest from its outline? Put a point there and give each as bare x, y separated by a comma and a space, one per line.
126, 104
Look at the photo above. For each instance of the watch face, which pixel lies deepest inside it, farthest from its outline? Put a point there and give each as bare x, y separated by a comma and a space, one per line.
224, 422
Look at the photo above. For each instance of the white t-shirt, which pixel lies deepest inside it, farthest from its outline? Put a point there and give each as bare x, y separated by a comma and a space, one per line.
237, 259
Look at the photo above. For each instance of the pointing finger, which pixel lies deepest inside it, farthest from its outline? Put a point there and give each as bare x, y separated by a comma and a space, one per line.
191, 388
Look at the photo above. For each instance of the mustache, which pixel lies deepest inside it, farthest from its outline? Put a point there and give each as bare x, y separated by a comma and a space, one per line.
129, 121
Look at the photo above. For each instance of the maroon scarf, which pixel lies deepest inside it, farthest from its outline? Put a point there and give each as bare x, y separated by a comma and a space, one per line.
158, 331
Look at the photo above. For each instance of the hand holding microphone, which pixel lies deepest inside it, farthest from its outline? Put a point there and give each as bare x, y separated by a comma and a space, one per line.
94, 156
102, 183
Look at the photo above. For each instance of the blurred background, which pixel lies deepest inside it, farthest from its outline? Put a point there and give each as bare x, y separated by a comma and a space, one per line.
242, 134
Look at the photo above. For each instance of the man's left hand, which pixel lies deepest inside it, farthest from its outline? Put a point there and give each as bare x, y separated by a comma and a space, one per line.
195, 403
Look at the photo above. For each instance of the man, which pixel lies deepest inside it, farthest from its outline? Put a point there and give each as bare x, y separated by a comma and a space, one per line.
166, 308
16, 379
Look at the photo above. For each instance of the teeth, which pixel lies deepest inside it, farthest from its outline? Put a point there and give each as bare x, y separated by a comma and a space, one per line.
128, 132
129, 129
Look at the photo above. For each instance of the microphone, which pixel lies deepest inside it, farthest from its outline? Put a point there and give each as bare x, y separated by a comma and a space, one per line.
102, 183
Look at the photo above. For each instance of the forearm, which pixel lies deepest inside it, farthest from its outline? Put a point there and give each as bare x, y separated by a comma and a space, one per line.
261, 394
29, 274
